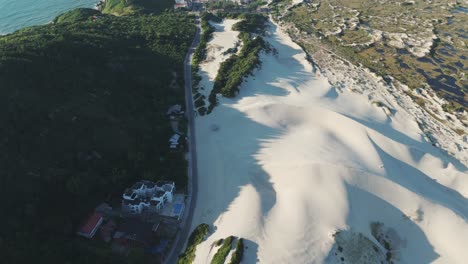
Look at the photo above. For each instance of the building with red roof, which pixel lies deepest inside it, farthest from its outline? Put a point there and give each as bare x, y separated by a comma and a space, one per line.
91, 226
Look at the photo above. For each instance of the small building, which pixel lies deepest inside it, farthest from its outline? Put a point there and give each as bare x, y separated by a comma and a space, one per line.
174, 141
92, 224
177, 141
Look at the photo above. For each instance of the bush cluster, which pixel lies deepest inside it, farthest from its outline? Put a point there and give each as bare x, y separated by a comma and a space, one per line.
236, 257
223, 251
233, 70
195, 238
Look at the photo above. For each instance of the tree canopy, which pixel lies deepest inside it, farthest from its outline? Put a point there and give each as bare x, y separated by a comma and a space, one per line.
82, 104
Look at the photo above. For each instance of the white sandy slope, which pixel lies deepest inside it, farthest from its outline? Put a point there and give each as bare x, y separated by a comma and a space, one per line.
223, 38
295, 160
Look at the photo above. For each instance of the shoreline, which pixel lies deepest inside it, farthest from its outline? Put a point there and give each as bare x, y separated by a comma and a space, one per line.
23, 26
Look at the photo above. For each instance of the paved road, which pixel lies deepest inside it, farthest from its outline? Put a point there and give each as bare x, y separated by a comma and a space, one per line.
192, 187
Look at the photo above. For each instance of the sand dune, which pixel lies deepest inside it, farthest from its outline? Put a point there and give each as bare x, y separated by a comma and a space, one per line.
295, 160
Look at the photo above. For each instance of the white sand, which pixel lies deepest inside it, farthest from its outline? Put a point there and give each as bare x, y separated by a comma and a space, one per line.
296, 159
223, 38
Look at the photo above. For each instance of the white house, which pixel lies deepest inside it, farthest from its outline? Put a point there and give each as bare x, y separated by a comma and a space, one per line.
147, 196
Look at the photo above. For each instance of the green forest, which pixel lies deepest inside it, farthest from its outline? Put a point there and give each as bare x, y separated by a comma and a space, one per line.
127, 7
83, 104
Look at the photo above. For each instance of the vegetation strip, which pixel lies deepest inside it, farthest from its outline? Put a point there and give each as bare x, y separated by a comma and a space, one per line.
129, 7
236, 257
223, 251
233, 70
195, 238
199, 55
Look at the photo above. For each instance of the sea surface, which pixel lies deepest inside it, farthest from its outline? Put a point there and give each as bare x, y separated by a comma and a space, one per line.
17, 14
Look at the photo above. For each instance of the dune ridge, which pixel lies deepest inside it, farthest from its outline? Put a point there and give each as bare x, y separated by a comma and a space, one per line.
304, 171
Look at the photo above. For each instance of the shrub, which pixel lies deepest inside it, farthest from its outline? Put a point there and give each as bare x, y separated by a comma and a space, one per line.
236, 257
219, 242
223, 251
233, 70
195, 238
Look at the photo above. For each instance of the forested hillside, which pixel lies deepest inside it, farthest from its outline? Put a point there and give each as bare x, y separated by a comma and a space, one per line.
126, 7
82, 105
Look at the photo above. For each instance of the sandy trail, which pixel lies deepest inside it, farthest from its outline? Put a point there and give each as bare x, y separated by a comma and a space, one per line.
295, 160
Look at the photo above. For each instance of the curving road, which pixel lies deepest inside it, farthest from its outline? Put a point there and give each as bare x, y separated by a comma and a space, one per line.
192, 186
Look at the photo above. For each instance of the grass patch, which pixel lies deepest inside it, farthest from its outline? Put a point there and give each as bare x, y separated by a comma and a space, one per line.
195, 238
223, 251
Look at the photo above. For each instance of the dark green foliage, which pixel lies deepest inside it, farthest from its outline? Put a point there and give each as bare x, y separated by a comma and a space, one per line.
219, 242
82, 117
233, 70
77, 15
255, 4
200, 102
236, 257
202, 110
254, 23
127, 7
200, 54
195, 238
211, 17
223, 251
222, 4
207, 33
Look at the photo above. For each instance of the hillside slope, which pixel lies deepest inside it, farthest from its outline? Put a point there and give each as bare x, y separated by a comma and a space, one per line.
82, 106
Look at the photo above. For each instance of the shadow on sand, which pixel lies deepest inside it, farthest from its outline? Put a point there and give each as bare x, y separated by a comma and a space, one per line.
239, 136
417, 182
366, 208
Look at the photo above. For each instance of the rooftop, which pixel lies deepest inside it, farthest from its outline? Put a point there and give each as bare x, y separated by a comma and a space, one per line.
175, 138
91, 223
159, 194
160, 184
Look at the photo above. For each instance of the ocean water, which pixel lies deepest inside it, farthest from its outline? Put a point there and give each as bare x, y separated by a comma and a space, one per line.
17, 14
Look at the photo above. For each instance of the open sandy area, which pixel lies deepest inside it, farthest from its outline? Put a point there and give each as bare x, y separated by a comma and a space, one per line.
295, 159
